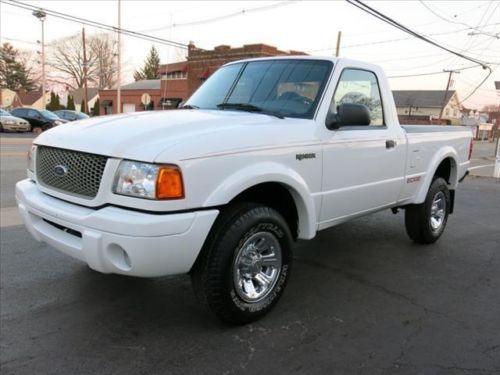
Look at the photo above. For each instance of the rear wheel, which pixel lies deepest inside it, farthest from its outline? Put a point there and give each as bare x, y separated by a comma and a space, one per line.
426, 222
245, 264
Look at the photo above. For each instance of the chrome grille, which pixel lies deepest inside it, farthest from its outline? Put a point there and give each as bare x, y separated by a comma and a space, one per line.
72, 172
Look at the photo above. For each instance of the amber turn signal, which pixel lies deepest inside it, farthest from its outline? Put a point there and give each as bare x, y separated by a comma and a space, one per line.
169, 183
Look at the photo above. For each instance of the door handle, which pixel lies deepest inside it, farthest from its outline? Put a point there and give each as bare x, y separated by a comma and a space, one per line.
390, 143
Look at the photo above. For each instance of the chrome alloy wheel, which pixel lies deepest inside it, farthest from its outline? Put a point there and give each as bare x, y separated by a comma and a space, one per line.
438, 211
257, 267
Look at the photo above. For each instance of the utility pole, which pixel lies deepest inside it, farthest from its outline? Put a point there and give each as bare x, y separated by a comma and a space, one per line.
337, 49
41, 15
118, 89
85, 70
446, 91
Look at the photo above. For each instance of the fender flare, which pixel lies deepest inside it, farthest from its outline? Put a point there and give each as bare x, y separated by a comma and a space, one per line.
442, 154
266, 172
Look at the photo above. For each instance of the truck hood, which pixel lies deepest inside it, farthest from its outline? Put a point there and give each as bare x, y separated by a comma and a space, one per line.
144, 136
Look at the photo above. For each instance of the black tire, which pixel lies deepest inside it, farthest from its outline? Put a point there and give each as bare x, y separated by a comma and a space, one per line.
1, 128
214, 277
418, 216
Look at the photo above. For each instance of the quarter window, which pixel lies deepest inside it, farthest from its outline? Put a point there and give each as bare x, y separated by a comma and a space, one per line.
359, 87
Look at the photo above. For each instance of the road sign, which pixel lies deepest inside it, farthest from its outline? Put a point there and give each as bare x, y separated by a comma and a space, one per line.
145, 99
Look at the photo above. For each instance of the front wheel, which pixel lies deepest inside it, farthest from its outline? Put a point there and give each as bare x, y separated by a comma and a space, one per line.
425, 222
245, 264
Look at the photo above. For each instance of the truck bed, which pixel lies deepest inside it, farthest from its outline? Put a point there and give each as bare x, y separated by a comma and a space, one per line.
433, 128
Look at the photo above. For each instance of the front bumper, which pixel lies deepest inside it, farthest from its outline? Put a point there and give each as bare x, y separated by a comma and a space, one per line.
16, 127
115, 240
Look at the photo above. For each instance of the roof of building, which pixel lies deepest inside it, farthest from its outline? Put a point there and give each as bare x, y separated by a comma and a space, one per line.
29, 97
146, 84
79, 94
422, 98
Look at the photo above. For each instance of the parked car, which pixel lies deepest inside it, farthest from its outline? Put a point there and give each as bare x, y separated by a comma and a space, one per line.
265, 152
68, 115
12, 123
40, 120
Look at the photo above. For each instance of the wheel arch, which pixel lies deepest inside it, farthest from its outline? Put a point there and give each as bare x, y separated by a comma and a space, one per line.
443, 164
270, 177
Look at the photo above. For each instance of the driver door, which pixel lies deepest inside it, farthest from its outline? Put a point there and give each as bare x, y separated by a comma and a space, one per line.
363, 166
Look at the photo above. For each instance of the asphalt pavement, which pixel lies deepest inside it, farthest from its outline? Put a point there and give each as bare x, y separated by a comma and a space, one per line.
362, 299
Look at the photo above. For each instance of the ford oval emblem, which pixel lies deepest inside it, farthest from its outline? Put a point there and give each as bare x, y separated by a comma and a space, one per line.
60, 170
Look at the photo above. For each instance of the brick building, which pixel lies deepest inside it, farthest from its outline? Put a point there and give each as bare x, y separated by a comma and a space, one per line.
179, 80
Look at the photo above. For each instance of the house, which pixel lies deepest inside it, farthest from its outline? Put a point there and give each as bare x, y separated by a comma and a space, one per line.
178, 81
9, 99
420, 106
79, 95
33, 99
131, 97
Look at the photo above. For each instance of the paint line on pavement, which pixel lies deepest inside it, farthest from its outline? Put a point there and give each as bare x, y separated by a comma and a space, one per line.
481, 166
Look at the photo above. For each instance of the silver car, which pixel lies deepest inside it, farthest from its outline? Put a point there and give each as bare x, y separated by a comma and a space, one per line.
12, 123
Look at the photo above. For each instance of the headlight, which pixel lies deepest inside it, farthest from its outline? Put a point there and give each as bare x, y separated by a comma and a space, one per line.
9, 122
150, 181
31, 158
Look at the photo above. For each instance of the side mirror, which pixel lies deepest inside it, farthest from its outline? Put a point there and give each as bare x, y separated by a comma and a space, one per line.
349, 114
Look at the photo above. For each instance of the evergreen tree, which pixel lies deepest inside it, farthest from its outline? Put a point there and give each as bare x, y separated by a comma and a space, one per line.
71, 103
14, 74
82, 106
54, 102
151, 69
95, 109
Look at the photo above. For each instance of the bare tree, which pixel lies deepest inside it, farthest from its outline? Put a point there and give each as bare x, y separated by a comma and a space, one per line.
66, 56
103, 51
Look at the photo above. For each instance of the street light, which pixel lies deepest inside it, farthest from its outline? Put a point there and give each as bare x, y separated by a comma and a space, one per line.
41, 15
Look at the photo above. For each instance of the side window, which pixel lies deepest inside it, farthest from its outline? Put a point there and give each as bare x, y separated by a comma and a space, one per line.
32, 114
359, 87
19, 112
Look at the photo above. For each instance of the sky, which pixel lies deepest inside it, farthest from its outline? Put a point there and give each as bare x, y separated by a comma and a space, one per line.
470, 27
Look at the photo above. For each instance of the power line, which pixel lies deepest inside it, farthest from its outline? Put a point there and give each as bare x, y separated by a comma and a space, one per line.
431, 73
441, 17
95, 24
223, 17
19, 40
399, 39
367, 9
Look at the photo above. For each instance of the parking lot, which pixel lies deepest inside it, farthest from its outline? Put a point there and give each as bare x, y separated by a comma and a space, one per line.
362, 299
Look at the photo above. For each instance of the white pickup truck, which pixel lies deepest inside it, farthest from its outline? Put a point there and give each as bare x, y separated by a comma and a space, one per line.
266, 152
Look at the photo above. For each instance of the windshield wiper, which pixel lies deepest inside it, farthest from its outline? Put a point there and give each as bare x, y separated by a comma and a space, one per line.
248, 108
189, 106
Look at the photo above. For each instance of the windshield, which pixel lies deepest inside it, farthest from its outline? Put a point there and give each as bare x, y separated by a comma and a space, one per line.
81, 116
4, 113
49, 115
286, 87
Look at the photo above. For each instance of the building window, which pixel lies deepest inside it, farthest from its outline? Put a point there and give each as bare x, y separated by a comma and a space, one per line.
447, 112
454, 113
174, 75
